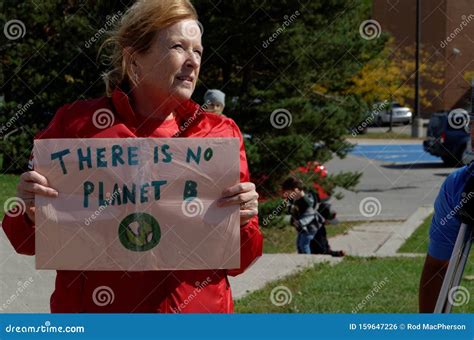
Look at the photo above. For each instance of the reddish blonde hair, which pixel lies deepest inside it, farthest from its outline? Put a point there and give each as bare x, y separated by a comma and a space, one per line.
137, 30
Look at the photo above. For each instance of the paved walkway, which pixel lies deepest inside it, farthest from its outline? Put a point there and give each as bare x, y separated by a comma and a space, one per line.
380, 238
23, 289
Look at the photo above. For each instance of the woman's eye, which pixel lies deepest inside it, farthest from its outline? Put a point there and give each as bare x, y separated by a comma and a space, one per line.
198, 52
178, 46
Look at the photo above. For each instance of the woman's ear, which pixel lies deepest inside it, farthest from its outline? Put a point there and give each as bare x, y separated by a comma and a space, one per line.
131, 65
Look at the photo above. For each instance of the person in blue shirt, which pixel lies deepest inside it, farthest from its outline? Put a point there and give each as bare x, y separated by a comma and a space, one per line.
444, 230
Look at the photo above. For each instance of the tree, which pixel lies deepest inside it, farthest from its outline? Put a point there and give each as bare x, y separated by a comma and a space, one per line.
287, 66
390, 76
47, 60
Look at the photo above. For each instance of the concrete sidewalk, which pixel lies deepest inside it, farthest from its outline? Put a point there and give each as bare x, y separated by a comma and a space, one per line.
379, 238
23, 289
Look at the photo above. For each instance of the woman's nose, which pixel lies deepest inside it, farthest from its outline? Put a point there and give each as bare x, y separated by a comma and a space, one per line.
193, 60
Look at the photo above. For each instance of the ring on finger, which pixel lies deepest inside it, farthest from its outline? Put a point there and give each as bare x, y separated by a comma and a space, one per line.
243, 205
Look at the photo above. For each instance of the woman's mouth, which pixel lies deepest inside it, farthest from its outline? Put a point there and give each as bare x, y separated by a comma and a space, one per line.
187, 80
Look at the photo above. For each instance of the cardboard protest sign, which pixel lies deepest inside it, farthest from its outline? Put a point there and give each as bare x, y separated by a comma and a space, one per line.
137, 204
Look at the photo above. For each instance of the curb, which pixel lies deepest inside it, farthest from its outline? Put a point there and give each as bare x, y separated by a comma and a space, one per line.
399, 237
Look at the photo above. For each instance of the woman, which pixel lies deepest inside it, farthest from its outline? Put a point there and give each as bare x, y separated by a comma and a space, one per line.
157, 57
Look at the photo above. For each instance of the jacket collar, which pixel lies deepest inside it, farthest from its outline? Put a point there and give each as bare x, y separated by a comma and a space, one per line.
188, 112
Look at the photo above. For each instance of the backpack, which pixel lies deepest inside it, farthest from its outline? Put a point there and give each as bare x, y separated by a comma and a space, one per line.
316, 222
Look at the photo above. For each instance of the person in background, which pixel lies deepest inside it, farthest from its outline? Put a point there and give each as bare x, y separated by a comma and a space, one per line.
309, 223
214, 101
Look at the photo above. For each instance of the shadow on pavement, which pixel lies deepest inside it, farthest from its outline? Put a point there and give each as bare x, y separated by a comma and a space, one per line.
415, 166
444, 174
387, 189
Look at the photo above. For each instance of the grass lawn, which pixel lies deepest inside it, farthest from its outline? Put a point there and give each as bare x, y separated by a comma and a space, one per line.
362, 285
7, 189
418, 241
283, 240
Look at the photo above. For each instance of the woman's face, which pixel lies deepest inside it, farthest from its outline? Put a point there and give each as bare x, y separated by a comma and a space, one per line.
169, 69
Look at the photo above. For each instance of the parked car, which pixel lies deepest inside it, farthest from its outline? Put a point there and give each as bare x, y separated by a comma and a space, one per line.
401, 114
445, 140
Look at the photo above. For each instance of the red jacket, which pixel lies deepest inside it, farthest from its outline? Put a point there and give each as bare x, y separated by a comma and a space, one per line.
187, 291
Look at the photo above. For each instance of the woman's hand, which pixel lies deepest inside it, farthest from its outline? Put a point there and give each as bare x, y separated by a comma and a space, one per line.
31, 184
245, 195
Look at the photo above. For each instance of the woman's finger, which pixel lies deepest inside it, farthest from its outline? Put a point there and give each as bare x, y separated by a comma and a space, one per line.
238, 188
249, 205
238, 199
38, 189
25, 196
33, 176
32, 183
246, 216
248, 213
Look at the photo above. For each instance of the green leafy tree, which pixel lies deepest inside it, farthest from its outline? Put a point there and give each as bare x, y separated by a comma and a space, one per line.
47, 57
390, 76
295, 60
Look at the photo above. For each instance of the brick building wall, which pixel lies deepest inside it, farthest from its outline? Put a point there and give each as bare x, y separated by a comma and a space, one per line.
447, 37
